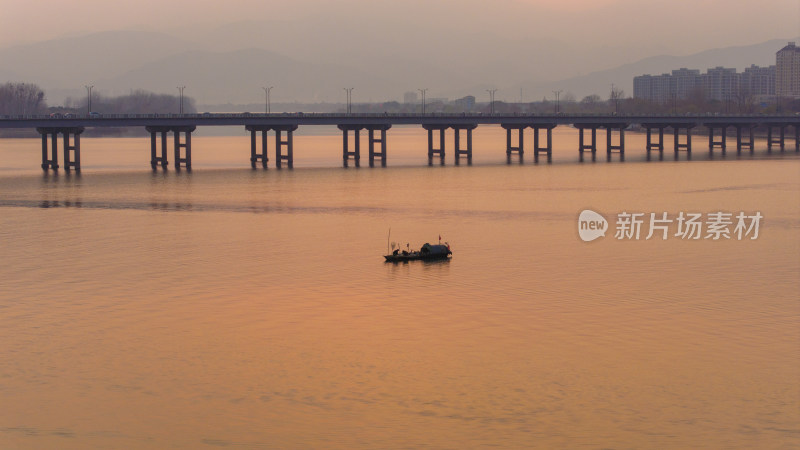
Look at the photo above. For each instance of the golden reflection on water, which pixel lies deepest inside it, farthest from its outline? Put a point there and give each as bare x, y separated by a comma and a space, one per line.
230, 307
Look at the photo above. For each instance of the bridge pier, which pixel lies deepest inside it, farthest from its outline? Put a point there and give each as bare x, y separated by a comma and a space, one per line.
186, 146
740, 143
346, 153
255, 156
72, 152
676, 128
548, 148
463, 152
712, 143
382, 141
582, 146
510, 148
620, 147
796, 137
156, 160
520, 148
355, 154
50, 162
655, 145
780, 140
280, 144
436, 151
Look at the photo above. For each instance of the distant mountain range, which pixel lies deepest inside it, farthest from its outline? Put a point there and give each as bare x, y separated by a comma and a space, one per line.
231, 64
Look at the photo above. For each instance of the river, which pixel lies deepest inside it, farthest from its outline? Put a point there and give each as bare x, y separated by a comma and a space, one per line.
230, 307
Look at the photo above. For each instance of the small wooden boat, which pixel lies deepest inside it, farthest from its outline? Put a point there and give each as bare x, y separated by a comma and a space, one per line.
428, 252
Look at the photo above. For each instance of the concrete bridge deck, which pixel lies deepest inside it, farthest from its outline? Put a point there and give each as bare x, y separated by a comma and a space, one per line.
281, 119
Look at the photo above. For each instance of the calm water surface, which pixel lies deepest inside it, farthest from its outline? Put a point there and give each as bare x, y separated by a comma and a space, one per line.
251, 309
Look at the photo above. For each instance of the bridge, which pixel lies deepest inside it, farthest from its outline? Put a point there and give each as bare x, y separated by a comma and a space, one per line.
376, 126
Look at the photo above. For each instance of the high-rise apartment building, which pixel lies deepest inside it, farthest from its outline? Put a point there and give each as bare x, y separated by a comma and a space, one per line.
687, 82
758, 82
787, 76
656, 88
721, 84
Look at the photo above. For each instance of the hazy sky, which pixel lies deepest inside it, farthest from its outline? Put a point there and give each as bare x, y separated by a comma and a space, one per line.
654, 26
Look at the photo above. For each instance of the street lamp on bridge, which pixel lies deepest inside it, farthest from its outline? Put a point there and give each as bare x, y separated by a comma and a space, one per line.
423, 91
267, 105
491, 97
89, 99
349, 92
557, 94
180, 90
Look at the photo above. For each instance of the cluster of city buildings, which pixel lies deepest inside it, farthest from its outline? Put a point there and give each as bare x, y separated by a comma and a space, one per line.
761, 84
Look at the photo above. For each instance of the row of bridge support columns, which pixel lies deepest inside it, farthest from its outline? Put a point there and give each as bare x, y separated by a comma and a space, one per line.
182, 142
718, 137
284, 147
72, 147
355, 153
